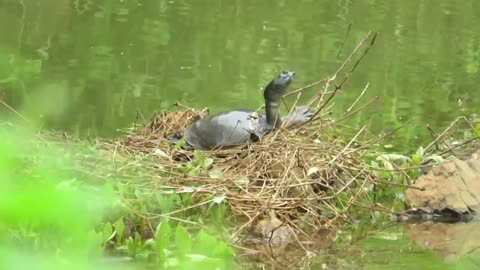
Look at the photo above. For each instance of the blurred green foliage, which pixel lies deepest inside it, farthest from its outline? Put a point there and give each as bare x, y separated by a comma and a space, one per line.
51, 218
44, 216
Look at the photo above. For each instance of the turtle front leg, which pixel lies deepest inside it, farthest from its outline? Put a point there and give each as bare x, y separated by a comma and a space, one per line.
299, 115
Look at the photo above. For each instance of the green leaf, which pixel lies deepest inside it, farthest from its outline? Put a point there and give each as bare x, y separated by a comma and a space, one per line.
138, 239
223, 251
149, 244
108, 232
138, 194
420, 152
165, 202
120, 228
243, 181
198, 155
143, 207
194, 171
477, 127
219, 199
131, 246
167, 144
180, 143
207, 162
216, 173
416, 159
95, 240
162, 236
204, 243
183, 240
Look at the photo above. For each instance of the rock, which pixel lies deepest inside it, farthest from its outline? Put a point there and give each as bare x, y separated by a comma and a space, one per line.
454, 185
274, 232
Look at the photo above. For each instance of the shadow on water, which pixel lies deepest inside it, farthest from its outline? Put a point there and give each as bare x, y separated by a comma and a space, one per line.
419, 245
422, 245
282, 255
450, 241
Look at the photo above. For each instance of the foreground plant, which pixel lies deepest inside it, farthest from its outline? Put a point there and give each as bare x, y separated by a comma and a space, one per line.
51, 218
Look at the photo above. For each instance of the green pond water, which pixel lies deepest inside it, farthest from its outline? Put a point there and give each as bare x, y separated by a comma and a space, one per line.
90, 67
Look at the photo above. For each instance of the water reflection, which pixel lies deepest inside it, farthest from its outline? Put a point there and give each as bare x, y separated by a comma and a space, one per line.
281, 255
423, 245
402, 246
450, 241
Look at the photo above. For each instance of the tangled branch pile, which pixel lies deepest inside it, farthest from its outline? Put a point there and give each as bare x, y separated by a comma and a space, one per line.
294, 178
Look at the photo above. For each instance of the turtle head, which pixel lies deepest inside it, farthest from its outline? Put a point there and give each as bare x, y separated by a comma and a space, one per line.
273, 94
277, 87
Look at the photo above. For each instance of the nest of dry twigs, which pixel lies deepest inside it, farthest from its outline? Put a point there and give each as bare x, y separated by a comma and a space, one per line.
288, 176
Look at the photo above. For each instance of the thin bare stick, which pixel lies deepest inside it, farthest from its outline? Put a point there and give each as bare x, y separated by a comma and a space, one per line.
358, 98
381, 138
347, 146
341, 68
445, 131
344, 40
14, 111
398, 184
460, 144
346, 115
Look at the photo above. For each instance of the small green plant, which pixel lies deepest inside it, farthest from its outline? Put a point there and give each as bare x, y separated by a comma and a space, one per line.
402, 170
175, 248
477, 127
392, 162
199, 164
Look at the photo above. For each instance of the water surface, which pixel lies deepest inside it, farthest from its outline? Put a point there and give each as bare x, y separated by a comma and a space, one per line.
89, 66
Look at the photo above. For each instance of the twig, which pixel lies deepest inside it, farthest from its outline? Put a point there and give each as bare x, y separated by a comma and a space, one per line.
341, 68
358, 98
14, 111
346, 115
460, 144
381, 138
344, 40
347, 146
445, 132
